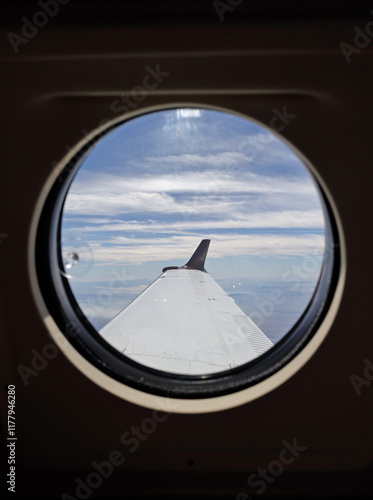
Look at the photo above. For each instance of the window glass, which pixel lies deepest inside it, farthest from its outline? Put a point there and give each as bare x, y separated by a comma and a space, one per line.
145, 197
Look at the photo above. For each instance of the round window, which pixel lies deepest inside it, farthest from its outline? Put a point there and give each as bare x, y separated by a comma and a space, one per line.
188, 252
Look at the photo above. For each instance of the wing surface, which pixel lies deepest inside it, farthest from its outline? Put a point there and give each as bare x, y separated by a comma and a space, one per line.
184, 322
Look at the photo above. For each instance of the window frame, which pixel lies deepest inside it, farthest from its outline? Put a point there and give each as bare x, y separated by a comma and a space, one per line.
83, 337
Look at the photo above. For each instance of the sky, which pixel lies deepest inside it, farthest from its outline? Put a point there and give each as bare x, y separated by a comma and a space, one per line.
151, 189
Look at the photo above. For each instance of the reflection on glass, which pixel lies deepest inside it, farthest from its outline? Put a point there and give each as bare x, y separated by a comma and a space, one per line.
148, 195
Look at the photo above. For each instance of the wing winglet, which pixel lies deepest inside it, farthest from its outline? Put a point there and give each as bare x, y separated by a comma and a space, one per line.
197, 260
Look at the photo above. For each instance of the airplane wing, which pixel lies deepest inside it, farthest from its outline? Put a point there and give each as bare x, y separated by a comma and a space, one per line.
184, 322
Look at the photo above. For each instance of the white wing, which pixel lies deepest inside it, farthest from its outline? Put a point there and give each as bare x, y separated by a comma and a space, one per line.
186, 323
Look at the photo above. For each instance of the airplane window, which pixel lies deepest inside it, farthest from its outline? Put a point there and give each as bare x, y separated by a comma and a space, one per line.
144, 198
192, 242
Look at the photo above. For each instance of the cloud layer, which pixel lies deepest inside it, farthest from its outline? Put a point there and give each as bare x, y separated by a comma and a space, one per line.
152, 193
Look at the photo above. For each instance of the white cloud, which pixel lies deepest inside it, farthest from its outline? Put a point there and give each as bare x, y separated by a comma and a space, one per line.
140, 250
109, 203
168, 185
203, 193
286, 219
231, 179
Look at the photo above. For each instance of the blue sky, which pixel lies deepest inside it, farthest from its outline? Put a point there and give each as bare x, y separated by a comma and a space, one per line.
152, 188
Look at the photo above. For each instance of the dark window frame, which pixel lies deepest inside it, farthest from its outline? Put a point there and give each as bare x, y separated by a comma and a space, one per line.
63, 307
